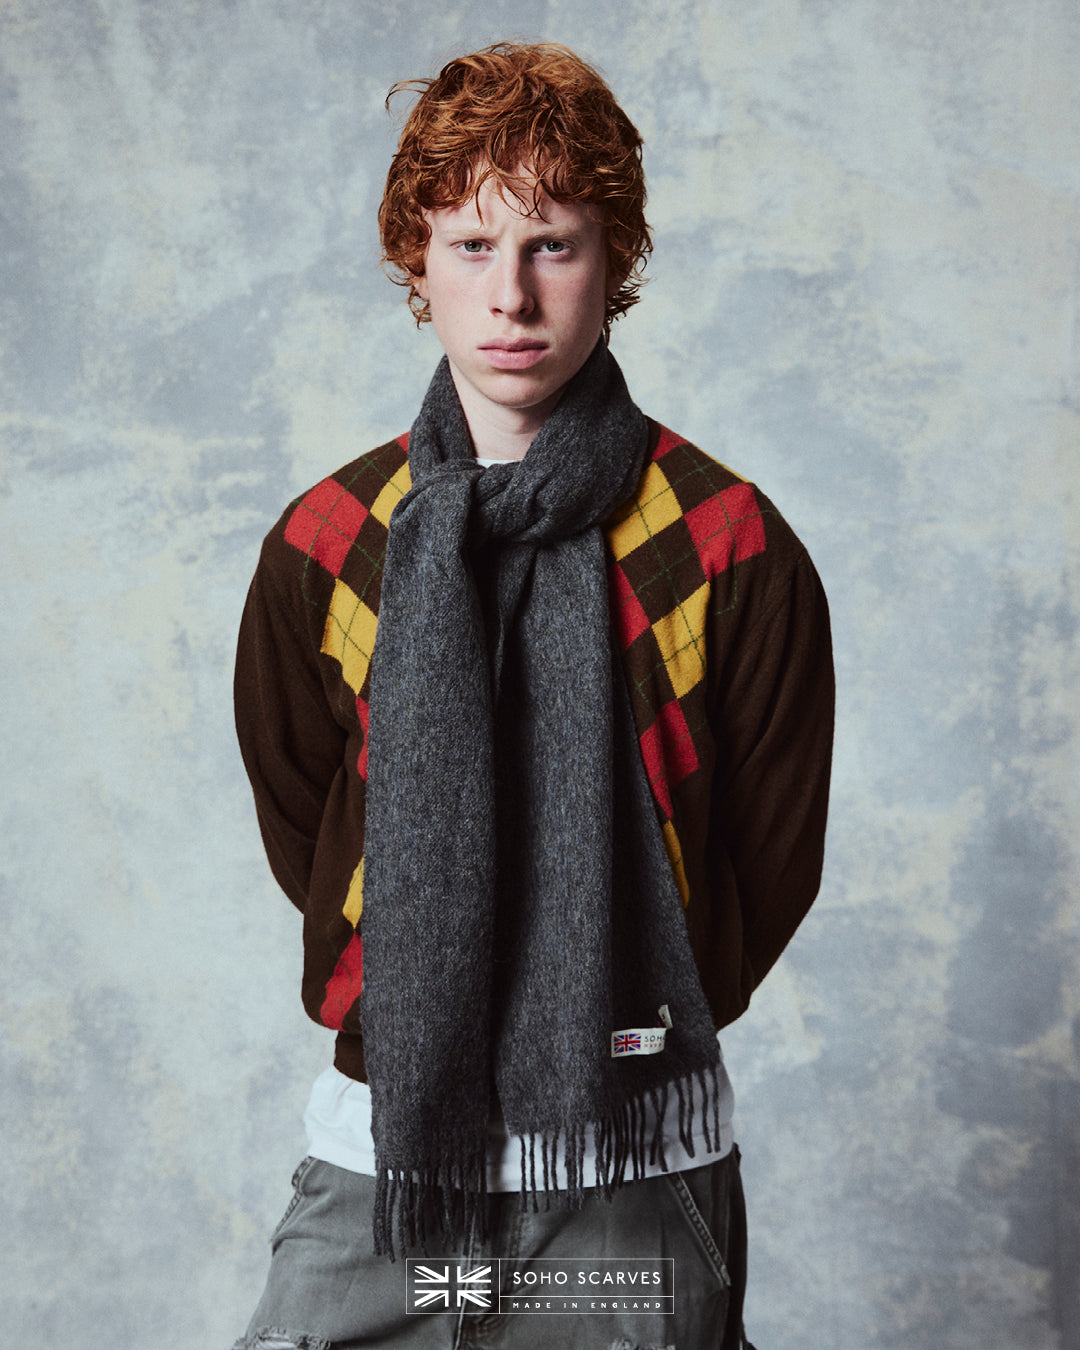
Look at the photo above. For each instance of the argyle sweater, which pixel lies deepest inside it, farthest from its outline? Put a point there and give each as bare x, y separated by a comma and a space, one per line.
723, 631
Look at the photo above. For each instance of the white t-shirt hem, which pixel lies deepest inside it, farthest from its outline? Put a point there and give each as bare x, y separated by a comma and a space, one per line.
338, 1125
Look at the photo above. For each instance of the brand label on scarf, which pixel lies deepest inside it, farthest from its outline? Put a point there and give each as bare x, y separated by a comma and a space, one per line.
637, 1041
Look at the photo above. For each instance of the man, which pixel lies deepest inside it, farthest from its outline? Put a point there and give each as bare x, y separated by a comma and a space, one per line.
536, 703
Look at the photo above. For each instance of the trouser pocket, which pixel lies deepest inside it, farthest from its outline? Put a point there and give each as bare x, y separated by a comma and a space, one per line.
301, 1172
705, 1195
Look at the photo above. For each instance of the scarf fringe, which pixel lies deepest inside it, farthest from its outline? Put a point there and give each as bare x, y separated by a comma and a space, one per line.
623, 1142
449, 1200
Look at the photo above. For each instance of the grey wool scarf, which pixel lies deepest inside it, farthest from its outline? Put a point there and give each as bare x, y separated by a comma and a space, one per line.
519, 905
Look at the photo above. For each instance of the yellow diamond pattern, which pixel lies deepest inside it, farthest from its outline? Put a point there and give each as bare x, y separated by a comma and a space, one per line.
354, 900
680, 636
674, 852
349, 635
654, 507
391, 494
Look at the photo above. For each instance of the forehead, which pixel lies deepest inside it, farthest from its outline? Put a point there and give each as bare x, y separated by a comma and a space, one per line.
524, 203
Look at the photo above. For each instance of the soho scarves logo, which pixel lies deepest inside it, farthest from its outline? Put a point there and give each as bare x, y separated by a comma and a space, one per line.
540, 1285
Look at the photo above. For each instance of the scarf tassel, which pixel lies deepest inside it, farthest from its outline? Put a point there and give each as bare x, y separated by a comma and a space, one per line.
624, 1144
448, 1199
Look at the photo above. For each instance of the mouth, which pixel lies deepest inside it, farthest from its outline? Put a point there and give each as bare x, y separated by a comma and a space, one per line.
514, 353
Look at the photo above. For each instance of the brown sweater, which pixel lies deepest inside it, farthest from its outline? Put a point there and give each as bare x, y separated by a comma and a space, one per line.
724, 633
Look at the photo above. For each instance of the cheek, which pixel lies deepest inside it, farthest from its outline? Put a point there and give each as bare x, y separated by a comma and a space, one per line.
578, 295
590, 304
445, 294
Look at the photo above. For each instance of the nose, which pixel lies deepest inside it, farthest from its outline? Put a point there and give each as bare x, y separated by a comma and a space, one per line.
511, 290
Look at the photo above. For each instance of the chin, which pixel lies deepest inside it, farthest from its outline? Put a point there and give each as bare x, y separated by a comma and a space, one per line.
519, 391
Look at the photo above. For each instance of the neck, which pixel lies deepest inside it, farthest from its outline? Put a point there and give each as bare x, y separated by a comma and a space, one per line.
497, 432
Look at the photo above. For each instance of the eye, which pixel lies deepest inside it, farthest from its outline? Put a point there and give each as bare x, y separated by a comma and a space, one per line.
472, 246
553, 246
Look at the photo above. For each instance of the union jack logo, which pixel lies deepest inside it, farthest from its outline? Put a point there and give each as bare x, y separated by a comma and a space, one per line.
624, 1042
434, 1287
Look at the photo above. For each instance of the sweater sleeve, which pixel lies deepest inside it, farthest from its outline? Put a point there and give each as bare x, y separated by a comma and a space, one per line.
291, 742
773, 724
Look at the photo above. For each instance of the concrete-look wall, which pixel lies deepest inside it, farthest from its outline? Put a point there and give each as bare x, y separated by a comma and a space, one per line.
864, 297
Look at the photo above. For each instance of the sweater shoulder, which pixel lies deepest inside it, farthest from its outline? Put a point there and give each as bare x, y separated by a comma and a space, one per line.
337, 529
698, 519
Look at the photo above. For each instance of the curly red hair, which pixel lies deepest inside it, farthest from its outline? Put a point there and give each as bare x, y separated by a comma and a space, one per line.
488, 115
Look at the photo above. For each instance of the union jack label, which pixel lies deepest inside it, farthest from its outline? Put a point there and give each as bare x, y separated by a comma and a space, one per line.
446, 1287
638, 1041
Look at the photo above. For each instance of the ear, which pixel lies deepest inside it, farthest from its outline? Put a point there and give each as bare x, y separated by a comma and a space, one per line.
420, 286
614, 281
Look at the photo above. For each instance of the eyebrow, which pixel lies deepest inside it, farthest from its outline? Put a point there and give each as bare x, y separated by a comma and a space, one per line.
543, 230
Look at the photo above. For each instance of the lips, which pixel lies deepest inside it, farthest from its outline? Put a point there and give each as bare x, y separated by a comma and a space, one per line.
514, 353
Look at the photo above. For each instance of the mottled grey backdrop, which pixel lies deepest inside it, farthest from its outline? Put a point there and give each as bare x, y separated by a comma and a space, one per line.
864, 296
